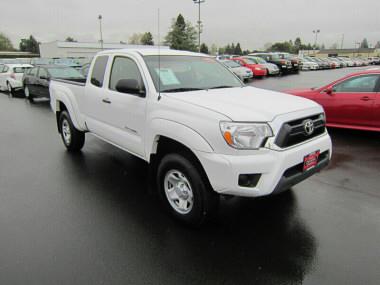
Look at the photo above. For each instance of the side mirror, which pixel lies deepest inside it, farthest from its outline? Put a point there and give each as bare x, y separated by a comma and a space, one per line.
328, 90
130, 86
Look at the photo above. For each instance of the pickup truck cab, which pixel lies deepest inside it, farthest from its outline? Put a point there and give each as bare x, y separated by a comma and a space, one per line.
203, 132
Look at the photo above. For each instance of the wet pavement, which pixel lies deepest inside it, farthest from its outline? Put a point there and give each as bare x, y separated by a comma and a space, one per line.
90, 219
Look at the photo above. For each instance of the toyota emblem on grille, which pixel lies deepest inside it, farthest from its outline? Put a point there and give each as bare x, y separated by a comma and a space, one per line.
308, 126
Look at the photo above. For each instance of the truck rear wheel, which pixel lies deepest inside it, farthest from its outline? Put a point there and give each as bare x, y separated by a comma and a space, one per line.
72, 138
184, 191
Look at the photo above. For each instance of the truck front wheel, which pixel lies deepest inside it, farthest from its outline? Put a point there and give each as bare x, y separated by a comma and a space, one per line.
72, 138
184, 190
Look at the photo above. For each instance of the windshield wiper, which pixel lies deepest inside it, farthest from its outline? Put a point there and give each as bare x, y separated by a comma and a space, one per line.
222, 86
180, 90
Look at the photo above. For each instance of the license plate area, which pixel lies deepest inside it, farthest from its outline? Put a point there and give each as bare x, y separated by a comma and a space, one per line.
310, 160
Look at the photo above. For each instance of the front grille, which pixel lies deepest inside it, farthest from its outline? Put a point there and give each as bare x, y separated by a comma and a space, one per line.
293, 132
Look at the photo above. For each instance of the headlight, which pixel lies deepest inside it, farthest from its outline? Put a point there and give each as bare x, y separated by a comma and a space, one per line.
257, 68
245, 135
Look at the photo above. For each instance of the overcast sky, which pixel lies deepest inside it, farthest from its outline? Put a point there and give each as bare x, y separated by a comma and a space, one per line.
250, 22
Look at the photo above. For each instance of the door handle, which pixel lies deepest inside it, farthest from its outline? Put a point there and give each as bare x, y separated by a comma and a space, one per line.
365, 98
106, 100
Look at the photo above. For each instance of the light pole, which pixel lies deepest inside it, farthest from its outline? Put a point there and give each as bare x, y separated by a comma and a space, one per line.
199, 2
101, 34
316, 32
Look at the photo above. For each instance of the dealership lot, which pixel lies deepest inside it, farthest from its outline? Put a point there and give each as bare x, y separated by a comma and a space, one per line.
90, 218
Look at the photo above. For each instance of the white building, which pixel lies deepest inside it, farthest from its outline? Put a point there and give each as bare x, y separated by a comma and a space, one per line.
76, 49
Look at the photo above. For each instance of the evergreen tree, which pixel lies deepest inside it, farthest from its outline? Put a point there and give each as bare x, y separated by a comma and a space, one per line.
364, 43
30, 45
182, 35
5, 43
238, 50
147, 39
204, 48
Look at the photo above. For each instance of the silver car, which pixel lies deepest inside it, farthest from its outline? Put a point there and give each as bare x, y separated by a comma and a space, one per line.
242, 72
272, 69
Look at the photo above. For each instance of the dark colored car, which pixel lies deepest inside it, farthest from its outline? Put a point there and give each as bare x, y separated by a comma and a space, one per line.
293, 59
36, 80
284, 65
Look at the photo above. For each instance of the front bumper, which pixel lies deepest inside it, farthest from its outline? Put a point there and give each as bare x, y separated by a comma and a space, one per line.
273, 71
261, 72
223, 170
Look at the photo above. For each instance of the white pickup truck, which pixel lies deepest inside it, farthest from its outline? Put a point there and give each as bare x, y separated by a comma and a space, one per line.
203, 132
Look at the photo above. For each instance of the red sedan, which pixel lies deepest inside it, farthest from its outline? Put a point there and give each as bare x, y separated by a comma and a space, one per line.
258, 70
351, 102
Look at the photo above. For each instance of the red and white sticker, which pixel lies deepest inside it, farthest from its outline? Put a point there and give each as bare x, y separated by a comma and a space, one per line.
310, 160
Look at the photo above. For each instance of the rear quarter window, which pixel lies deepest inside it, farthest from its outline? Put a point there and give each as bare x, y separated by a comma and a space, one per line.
19, 69
98, 71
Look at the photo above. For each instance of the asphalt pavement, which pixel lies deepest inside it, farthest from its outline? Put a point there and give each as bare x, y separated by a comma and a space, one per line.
89, 218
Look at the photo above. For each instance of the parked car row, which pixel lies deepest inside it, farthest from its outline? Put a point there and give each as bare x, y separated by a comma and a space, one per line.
316, 63
33, 74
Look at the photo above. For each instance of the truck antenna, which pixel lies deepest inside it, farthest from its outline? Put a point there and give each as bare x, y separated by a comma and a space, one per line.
159, 56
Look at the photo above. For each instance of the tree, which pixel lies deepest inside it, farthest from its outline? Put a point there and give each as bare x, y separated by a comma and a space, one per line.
323, 47
204, 48
364, 43
297, 45
5, 43
70, 39
182, 35
377, 45
214, 49
30, 45
147, 39
281, 46
238, 50
135, 39
334, 46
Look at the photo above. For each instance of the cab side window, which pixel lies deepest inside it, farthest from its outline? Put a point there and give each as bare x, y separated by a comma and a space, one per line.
125, 68
98, 71
366, 83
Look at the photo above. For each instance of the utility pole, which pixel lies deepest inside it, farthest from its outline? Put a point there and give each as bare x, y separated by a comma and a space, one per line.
101, 33
199, 2
341, 43
316, 32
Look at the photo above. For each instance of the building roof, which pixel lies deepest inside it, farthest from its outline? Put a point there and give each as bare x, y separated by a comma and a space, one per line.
95, 45
155, 51
348, 50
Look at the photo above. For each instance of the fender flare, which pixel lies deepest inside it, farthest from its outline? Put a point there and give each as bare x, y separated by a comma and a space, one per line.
62, 97
176, 131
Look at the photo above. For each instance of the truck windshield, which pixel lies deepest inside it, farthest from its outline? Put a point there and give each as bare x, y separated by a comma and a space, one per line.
179, 73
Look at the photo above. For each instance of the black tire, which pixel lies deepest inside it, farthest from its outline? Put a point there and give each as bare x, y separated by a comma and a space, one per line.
205, 200
77, 138
31, 99
28, 95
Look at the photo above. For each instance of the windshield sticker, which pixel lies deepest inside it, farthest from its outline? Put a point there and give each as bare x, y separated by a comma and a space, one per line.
167, 76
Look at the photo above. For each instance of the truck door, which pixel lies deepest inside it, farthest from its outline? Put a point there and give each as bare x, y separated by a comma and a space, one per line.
124, 111
92, 103
351, 101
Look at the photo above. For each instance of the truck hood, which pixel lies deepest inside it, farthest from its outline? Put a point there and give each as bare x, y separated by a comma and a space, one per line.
245, 103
